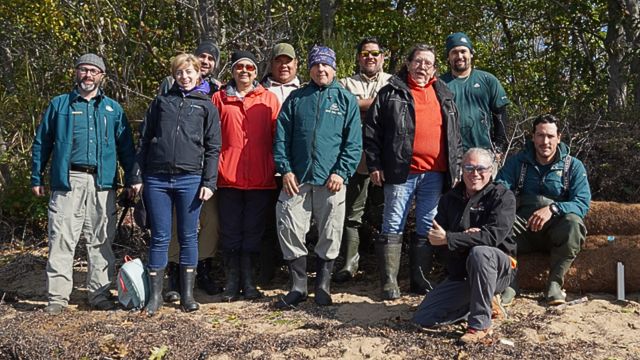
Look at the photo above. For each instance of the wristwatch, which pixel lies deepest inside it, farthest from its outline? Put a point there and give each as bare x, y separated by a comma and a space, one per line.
555, 210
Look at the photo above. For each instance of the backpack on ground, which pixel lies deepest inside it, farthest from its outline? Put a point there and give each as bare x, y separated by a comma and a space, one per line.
133, 284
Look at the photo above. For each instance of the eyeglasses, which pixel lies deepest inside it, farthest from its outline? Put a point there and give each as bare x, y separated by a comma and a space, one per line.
94, 72
469, 169
426, 62
249, 67
374, 53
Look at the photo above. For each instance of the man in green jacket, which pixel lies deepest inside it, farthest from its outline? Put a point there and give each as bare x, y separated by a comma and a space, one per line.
553, 196
317, 147
85, 133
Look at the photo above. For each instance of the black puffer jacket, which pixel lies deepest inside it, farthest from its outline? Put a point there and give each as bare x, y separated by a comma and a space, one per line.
389, 130
492, 210
181, 134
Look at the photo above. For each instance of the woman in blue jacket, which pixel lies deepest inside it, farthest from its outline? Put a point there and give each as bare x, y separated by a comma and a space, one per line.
178, 161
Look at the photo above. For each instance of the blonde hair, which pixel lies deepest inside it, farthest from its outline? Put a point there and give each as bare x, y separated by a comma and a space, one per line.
183, 60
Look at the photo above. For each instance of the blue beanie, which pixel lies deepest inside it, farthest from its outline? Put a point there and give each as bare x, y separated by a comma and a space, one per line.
458, 39
322, 55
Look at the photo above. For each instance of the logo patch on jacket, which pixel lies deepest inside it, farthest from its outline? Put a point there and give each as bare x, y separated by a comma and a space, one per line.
477, 208
108, 108
334, 109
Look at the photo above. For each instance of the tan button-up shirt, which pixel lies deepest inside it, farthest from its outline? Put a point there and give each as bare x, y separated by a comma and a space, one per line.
365, 88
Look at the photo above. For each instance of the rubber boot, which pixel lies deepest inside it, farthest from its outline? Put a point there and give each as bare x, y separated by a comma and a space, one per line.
173, 293
351, 257
420, 263
246, 275
323, 282
298, 280
232, 270
388, 252
559, 267
204, 280
187, 281
156, 279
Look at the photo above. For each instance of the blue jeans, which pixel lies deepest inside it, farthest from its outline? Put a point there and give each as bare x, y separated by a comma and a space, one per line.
162, 193
426, 189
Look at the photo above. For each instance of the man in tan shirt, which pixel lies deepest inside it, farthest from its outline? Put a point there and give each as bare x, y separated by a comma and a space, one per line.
365, 86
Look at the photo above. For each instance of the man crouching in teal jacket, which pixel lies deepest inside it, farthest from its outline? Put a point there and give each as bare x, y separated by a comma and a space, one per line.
553, 197
317, 148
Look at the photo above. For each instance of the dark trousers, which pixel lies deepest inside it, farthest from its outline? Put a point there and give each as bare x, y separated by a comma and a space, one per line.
489, 273
242, 215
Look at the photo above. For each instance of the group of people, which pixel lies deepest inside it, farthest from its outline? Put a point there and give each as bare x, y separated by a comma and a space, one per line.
250, 163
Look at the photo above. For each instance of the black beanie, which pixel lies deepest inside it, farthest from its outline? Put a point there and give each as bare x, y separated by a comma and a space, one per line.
208, 47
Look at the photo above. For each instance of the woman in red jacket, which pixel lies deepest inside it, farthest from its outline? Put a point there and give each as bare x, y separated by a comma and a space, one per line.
246, 171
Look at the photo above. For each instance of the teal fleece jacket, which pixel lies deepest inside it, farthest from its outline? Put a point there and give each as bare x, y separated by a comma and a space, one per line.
318, 133
54, 139
549, 183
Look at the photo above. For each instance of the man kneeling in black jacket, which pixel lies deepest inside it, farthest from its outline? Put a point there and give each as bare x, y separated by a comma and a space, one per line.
475, 220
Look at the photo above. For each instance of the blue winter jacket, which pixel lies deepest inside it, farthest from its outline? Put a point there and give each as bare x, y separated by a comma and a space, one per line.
577, 198
54, 139
318, 133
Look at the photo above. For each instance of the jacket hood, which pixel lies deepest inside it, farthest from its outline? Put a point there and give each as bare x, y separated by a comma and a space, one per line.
231, 91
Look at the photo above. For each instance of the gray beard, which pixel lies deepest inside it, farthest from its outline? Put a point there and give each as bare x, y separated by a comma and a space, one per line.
87, 87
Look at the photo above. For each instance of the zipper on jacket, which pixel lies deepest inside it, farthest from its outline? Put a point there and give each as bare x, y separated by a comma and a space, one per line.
315, 131
175, 137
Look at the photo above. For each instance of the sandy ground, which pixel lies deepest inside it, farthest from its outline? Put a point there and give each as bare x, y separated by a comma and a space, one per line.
357, 326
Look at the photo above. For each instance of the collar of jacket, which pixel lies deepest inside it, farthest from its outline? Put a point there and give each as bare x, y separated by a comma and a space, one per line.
175, 90
460, 189
529, 152
400, 82
75, 94
230, 91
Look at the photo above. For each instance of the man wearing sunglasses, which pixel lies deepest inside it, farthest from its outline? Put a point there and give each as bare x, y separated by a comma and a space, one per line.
85, 134
317, 148
553, 198
209, 55
474, 221
365, 86
479, 96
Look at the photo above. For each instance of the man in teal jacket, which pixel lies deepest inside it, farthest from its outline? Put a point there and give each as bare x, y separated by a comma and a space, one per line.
84, 133
553, 196
317, 148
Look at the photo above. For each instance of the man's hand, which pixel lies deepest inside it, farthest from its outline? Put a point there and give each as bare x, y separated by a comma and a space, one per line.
539, 218
134, 190
377, 177
205, 193
290, 184
437, 235
334, 184
38, 190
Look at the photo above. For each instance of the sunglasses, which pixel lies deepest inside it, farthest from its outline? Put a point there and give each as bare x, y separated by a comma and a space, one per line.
469, 169
248, 67
374, 53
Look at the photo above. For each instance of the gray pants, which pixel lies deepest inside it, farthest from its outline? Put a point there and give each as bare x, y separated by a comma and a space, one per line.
489, 273
92, 213
294, 213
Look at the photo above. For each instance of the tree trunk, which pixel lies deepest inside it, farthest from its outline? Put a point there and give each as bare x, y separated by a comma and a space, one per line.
327, 14
618, 70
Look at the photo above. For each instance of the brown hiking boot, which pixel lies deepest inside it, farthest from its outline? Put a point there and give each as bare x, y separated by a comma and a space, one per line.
473, 335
